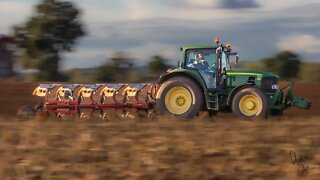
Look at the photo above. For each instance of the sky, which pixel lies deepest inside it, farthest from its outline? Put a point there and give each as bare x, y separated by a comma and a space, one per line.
142, 28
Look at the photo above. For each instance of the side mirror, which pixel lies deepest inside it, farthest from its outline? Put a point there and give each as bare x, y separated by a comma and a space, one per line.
237, 59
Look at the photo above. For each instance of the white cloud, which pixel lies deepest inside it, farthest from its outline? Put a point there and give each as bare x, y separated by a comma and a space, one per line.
203, 3
145, 51
84, 58
13, 13
140, 10
302, 43
88, 57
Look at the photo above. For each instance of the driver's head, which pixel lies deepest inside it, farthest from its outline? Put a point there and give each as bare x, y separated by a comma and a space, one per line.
199, 56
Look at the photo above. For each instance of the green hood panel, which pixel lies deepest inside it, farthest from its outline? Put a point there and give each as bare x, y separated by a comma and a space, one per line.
250, 73
239, 77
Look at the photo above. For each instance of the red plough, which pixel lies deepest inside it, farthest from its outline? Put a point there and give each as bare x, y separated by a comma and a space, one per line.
93, 100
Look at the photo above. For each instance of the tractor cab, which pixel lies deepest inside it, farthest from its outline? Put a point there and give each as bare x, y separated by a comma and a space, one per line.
211, 62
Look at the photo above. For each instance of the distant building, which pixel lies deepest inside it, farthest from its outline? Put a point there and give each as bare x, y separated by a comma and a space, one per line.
6, 57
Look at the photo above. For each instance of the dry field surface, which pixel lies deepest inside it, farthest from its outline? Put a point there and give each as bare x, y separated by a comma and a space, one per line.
223, 147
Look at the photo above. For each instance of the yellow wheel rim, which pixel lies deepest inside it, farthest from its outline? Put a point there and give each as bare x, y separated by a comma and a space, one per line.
178, 100
250, 105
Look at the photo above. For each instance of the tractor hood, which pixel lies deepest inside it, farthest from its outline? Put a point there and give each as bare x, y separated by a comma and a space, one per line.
264, 80
250, 73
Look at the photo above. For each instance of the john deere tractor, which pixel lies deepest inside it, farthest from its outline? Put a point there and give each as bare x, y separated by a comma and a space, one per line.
204, 80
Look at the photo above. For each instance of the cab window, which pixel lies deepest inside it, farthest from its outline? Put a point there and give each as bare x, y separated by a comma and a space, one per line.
201, 58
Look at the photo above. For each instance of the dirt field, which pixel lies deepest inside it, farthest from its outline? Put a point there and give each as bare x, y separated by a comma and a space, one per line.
220, 148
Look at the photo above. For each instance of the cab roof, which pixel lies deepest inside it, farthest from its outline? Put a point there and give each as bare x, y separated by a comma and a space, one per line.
194, 46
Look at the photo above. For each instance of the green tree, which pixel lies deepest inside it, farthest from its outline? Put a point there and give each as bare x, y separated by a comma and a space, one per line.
286, 64
52, 30
117, 69
157, 65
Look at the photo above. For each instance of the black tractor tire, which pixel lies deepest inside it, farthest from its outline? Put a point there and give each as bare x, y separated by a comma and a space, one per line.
258, 107
195, 92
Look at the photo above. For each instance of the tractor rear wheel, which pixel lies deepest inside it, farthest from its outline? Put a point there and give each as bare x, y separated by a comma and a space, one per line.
179, 96
250, 103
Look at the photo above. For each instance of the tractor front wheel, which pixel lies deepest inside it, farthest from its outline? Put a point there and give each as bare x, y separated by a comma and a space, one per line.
179, 96
250, 103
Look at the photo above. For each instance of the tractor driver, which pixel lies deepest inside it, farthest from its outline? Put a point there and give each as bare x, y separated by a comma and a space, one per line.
204, 68
202, 63
199, 62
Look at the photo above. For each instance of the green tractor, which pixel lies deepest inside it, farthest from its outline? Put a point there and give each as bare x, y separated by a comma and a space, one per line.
202, 81
205, 81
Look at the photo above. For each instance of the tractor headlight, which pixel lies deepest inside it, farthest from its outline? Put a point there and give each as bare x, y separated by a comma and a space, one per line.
275, 87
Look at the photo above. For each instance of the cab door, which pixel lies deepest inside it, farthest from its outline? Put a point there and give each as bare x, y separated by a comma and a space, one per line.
204, 61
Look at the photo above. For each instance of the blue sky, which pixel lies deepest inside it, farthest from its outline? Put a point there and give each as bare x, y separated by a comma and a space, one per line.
142, 28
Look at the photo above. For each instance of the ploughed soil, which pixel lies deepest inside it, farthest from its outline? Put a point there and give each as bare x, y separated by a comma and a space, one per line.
222, 147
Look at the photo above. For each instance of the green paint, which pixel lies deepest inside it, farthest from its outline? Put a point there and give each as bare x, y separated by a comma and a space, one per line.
217, 99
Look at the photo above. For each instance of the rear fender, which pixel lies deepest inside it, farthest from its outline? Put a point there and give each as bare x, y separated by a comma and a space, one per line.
195, 76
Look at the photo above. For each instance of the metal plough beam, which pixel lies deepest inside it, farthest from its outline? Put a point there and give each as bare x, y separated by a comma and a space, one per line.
74, 99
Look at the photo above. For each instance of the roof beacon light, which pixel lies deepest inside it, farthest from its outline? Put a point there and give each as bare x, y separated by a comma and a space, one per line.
217, 40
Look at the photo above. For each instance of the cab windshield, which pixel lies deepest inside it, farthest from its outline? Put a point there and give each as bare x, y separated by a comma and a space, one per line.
201, 58
205, 59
